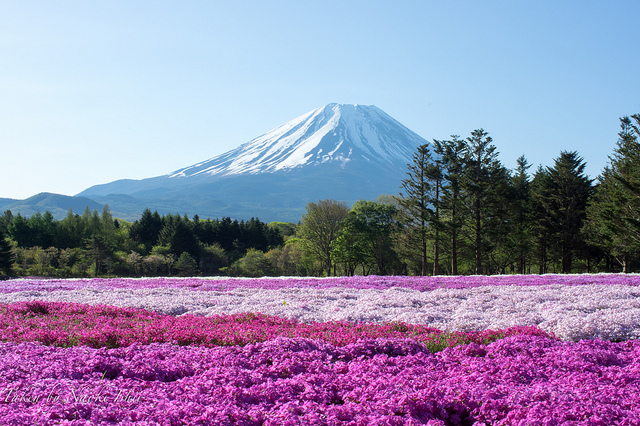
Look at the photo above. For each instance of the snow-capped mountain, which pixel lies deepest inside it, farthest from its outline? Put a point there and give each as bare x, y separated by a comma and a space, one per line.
343, 152
334, 134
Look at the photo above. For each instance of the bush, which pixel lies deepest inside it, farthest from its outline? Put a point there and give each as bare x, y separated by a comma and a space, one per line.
253, 264
186, 265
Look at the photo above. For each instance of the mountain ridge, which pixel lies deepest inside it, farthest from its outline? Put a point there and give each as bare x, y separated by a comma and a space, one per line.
57, 204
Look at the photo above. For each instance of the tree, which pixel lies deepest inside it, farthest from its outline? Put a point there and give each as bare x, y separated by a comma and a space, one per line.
484, 182
521, 234
615, 205
563, 195
416, 201
212, 259
253, 264
451, 153
320, 226
71, 233
177, 234
186, 265
6, 255
19, 231
146, 230
365, 236
5, 221
99, 250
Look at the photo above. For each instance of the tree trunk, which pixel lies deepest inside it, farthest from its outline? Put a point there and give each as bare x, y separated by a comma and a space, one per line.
423, 235
454, 236
478, 242
566, 261
436, 249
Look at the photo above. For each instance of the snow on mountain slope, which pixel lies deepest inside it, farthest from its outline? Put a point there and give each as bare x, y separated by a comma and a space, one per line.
335, 133
342, 152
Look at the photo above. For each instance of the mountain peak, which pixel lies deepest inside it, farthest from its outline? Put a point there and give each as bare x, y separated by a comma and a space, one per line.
336, 134
339, 151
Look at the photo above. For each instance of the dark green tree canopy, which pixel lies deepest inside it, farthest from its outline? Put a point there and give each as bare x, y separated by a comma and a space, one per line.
614, 210
563, 194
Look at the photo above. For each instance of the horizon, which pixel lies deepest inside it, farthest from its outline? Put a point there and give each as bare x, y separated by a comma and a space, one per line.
94, 93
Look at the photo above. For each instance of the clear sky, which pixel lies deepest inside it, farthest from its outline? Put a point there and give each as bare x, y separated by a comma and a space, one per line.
94, 91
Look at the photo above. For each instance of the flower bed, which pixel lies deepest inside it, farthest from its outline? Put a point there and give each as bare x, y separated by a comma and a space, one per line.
517, 380
359, 282
358, 351
70, 324
578, 307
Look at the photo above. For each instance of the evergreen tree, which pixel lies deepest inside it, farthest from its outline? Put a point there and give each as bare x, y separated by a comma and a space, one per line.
452, 153
146, 230
6, 255
416, 201
484, 183
563, 195
521, 234
20, 232
108, 226
5, 221
186, 265
70, 233
179, 236
615, 204
541, 227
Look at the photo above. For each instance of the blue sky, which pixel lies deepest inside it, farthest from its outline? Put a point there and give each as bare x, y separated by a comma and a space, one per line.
94, 91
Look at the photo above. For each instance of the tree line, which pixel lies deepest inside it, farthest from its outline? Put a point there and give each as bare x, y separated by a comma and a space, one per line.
94, 244
458, 211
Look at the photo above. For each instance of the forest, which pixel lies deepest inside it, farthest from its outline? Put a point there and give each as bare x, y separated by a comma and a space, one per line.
458, 211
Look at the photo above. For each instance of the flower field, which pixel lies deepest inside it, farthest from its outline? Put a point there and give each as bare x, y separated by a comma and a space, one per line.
530, 350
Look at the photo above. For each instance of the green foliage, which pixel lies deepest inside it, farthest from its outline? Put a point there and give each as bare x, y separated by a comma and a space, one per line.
484, 184
520, 237
319, 228
562, 194
365, 238
6, 255
94, 244
146, 230
186, 265
420, 201
614, 209
253, 264
212, 259
293, 260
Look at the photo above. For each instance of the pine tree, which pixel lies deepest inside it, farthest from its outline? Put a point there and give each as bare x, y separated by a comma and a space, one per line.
416, 201
451, 154
541, 227
186, 265
484, 182
6, 255
146, 230
615, 204
521, 213
563, 195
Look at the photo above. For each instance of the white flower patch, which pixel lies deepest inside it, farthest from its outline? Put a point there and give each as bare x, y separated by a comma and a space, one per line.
571, 312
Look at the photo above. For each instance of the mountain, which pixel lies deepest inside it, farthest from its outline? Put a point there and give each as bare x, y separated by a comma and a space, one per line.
343, 152
57, 204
